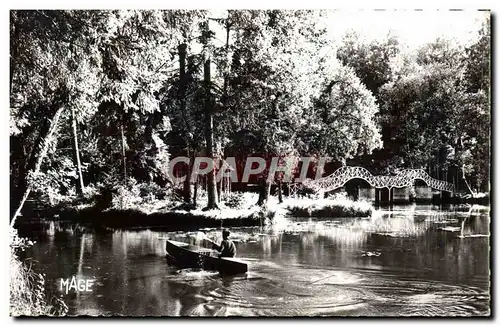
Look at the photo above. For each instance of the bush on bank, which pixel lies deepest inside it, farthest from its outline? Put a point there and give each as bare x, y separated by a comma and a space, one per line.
148, 205
338, 206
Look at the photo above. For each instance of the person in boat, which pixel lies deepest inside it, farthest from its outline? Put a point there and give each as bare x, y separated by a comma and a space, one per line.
227, 247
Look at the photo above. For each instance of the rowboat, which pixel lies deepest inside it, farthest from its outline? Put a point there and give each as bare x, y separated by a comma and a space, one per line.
186, 255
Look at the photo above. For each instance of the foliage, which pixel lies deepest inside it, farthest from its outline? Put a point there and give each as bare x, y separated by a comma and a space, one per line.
372, 61
134, 194
233, 200
280, 86
443, 124
434, 111
342, 123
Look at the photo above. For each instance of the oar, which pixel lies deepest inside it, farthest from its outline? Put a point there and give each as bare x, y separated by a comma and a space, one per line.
208, 239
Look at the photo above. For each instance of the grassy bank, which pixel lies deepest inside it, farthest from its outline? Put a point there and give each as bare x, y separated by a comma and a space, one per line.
137, 206
166, 214
27, 287
339, 206
165, 220
236, 211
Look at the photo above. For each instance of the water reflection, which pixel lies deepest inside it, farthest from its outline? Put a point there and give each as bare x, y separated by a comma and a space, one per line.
407, 261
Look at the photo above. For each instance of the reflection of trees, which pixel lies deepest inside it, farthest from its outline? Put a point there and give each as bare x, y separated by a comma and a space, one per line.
132, 284
441, 255
140, 243
266, 246
472, 222
145, 291
85, 302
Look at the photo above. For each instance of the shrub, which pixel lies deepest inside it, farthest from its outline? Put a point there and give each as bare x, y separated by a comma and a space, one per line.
127, 196
132, 195
305, 191
56, 184
338, 206
151, 191
233, 200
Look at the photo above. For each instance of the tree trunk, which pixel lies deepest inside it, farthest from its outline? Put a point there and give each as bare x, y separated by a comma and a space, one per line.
209, 138
458, 149
31, 159
124, 157
280, 192
264, 192
18, 171
150, 147
195, 194
187, 182
41, 156
465, 180
76, 155
226, 73
219, 191
182, 101
224, 99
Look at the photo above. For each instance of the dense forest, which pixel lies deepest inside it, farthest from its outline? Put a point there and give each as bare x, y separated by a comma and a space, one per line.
102, 100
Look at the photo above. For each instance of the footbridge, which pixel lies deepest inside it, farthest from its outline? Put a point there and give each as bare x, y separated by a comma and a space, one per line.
403, 178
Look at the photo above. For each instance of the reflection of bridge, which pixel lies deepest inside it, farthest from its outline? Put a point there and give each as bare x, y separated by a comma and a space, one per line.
404, 178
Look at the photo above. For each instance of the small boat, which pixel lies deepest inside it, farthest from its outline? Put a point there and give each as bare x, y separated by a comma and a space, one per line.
186, 255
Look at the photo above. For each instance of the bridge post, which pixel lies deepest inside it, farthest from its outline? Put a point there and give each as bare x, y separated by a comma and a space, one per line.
378, 196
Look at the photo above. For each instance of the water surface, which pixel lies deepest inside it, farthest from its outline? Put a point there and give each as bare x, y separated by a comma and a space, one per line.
409, 261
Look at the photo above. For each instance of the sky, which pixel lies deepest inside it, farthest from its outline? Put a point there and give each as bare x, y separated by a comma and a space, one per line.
412, 27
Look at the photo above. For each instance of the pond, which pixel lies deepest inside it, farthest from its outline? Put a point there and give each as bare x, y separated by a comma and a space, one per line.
404, 261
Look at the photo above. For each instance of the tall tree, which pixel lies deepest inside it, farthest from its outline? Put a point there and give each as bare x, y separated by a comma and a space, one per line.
209, 137
46, 49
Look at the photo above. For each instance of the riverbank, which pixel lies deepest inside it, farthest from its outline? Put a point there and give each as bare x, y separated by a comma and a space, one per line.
238, 211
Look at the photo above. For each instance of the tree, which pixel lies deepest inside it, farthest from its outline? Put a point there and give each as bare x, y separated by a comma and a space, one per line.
371, 61
46, 48
478, 84
269, 50
440, 121
342, 122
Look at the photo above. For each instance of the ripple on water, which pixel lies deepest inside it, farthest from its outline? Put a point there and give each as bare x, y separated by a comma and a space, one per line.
287, 281
276, 299
286, 292
418, 298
